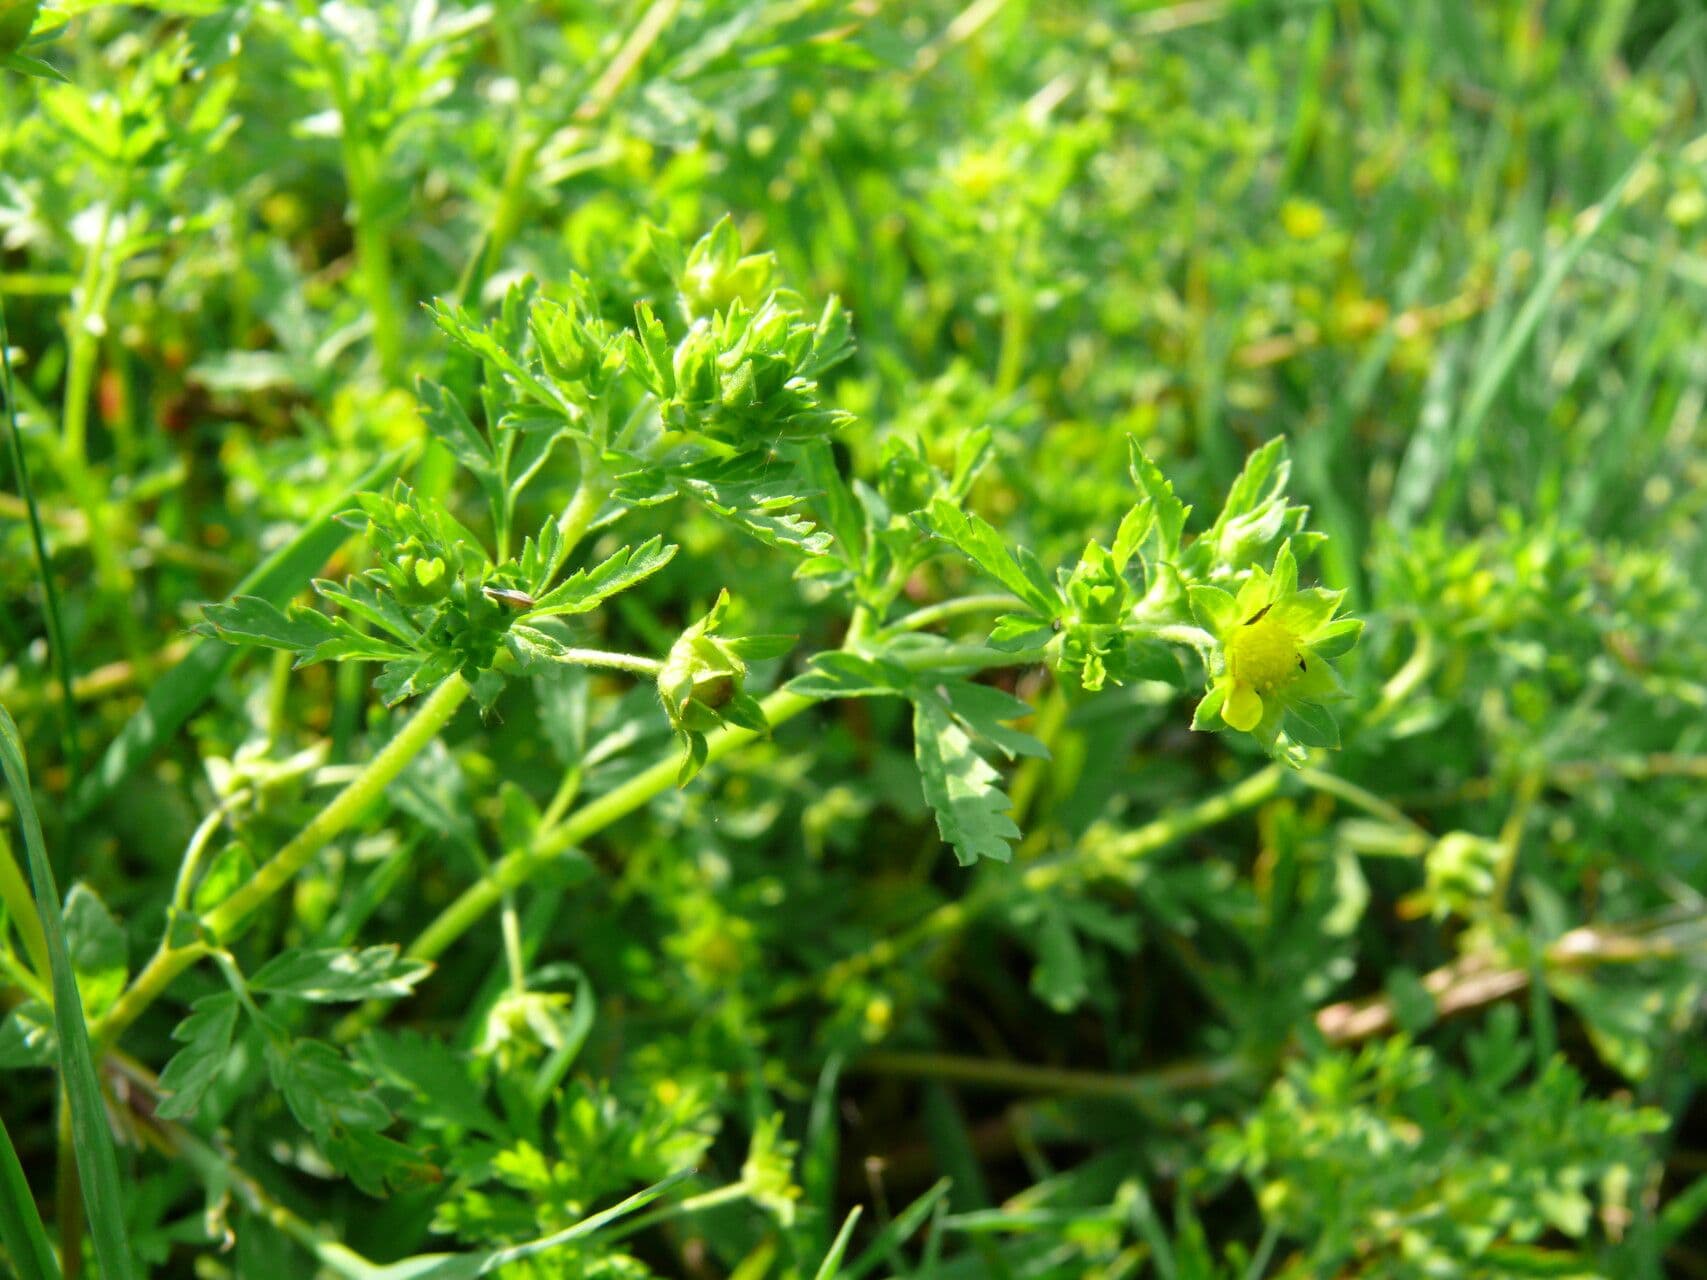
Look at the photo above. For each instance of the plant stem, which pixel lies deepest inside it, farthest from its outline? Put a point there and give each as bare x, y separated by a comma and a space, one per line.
83, 343
332, 821
631, 662
517, 867
583, 508
727, 1194
930, 615
1110, 857
1025, 1077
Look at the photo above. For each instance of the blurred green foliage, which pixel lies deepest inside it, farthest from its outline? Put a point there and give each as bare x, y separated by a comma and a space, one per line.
765, 360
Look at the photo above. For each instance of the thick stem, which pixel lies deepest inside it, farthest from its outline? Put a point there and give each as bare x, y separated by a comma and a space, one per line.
332, 821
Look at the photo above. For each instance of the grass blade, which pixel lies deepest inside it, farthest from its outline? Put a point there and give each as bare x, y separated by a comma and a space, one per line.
97, 1163
21, 1229
469, 1266
1515, 340
50, 593
832, 1265
900, 1230
175, 697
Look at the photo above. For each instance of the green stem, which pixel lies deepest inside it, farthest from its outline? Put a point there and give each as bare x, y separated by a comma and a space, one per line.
693, 1204
347, 806
1110, 858
582, 510
517, 867
373, 260
197, 848
82, 343
1024, 1077
631, 662
930, 615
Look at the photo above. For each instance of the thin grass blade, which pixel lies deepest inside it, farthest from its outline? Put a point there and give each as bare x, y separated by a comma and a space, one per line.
21, 1229
97, 1163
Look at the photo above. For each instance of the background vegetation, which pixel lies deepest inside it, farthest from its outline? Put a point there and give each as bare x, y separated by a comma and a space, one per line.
1424, 1005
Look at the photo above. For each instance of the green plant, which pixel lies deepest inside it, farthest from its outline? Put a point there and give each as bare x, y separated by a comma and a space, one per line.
786, 640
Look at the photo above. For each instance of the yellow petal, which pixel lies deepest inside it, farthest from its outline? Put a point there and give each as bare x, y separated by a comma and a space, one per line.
1243, 708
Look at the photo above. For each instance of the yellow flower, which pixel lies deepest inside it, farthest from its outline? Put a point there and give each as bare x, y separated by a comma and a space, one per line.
1272, 669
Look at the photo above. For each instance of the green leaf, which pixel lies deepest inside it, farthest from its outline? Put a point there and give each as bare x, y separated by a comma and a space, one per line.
588, 588
175, 696
1059, 978
883, 1246
831, 1267
22, 1234
323, 1090
449, 422
25, 65
1170, 511
758, 512
16, 19
98, 949
469, 1266
311, 635
960, 786
437, 1080
1311, 725
92, 1140
850, 675
206, 1037
332, 975
982, 709
979, 542
1215, 610
26, 1037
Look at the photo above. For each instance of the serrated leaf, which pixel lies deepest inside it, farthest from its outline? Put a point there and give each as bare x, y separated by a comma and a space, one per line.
982, 709
438, 1080
1135, 526
323, 1090
850, 675
312, 636
1170, 512
960, 786
975, 538
206, 1037
760, 514
1014, 632
334, 974
587, 588
1265, 473
450, 424
98, 948
378, 608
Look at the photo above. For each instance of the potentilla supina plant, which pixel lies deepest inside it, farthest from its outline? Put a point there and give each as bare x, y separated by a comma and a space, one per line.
1272, 665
